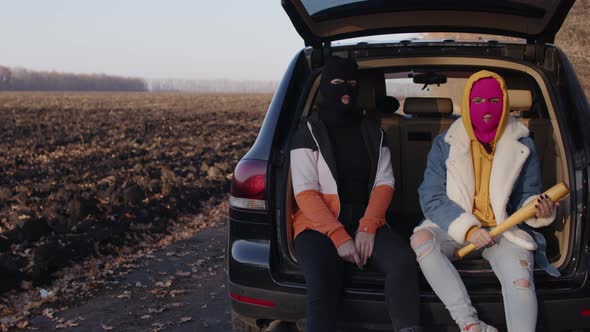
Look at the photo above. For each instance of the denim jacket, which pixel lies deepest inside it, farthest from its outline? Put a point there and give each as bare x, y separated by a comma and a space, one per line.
448, 189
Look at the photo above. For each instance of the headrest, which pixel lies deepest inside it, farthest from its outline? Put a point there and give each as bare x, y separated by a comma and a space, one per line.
428, 106
520, 100
388, 105
371, 89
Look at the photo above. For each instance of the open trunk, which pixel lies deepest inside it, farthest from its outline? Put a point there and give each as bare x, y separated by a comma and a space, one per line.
321, 21
410, 132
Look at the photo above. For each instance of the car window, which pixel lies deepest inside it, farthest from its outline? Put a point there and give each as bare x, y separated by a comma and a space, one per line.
315, 6
402, 88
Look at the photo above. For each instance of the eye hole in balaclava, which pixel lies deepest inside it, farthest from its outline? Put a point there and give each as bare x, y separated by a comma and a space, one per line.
339, 90
486, 102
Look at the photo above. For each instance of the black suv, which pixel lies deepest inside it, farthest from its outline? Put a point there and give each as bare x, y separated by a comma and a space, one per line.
266, 283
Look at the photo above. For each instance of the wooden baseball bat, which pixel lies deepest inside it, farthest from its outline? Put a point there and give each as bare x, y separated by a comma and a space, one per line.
556, 193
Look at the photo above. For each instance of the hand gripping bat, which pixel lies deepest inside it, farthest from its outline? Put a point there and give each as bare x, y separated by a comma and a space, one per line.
556, 193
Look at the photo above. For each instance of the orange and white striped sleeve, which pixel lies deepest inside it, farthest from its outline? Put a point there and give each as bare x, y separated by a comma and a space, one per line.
381, 195
306, 187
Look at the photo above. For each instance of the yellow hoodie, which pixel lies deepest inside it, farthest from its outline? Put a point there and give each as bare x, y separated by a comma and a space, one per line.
482, 158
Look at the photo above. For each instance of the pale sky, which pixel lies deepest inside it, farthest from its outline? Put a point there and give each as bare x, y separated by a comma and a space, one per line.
192, 39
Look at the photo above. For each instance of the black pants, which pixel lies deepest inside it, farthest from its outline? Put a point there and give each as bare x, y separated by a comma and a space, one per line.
325, 271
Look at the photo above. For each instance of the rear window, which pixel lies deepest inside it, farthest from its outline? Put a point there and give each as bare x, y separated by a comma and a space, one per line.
325, 9
314, 6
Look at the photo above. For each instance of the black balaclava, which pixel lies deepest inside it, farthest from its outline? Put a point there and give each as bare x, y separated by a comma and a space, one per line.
332, 111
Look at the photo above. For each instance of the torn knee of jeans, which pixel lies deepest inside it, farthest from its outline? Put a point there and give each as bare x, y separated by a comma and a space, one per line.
522, 283
420, 237
525, 264
424, 249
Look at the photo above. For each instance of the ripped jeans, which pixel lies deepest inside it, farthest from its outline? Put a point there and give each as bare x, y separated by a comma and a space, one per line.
512, 265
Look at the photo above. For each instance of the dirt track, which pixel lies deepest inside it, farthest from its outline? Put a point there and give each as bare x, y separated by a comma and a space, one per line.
163, 293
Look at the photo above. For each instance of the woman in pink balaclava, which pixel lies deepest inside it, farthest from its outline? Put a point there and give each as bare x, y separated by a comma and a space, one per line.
479, 172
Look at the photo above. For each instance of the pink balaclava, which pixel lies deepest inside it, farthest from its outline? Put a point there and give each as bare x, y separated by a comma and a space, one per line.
491, 102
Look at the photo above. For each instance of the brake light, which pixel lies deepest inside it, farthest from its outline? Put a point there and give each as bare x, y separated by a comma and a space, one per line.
585, 313
248, 185
250, 300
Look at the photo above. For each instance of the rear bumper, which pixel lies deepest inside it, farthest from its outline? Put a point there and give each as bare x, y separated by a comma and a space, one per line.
355, 312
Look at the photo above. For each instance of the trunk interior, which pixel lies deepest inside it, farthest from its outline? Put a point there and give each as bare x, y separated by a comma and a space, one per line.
410, 130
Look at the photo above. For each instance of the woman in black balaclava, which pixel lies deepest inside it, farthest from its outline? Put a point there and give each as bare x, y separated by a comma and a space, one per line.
343, 185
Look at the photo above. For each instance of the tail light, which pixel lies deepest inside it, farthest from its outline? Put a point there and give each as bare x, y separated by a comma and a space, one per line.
248, 185
251, 300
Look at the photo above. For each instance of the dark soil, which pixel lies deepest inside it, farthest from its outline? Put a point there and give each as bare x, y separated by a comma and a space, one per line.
78, 183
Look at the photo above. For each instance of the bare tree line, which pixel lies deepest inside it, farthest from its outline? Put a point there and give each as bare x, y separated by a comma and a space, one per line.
21, 79
5, 75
